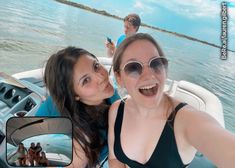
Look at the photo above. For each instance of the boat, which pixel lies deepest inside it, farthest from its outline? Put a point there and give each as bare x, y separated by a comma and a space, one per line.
21, 129
22, 93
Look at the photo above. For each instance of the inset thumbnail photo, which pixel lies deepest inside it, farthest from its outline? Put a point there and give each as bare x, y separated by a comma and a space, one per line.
39, 141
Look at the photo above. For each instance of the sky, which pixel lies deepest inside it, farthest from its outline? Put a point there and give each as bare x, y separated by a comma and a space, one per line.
196, 18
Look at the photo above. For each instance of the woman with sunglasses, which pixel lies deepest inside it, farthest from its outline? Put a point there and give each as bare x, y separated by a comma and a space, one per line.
150, 129
79, 88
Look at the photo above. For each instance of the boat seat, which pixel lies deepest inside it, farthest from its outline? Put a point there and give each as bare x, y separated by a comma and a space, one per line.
199, 98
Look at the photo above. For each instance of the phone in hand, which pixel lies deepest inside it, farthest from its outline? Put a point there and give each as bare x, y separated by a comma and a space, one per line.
109, 40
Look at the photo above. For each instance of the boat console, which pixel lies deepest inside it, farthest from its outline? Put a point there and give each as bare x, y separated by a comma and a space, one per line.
18, 98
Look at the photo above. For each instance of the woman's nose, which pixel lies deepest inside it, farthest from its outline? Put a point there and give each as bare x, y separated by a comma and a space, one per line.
147, 72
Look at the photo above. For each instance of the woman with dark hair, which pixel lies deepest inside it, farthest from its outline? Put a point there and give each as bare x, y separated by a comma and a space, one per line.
38, 149
21, 153
32, 154
80, 89
43, 161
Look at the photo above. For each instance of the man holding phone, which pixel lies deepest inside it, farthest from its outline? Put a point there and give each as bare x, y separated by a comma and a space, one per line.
131, 26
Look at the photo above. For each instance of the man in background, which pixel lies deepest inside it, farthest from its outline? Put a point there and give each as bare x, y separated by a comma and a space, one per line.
131, 26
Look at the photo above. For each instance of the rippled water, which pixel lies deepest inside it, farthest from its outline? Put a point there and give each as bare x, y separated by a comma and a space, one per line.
30, 31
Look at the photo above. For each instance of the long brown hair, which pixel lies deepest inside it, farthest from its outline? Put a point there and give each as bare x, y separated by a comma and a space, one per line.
87, 120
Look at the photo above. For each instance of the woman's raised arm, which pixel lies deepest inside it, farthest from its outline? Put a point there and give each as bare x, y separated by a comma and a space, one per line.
204, 133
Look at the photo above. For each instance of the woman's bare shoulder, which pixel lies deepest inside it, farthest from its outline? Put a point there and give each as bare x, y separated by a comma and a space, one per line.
189, 113
113, 110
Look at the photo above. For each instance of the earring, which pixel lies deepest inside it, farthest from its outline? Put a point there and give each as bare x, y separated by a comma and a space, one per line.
77, 98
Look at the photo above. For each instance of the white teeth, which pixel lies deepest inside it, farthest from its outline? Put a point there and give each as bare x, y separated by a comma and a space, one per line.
148, 87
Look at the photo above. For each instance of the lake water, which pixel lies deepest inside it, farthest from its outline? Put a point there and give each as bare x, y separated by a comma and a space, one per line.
30, 31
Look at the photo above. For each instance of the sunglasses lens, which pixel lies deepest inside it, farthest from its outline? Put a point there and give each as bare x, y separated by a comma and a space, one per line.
158, 64
133, 69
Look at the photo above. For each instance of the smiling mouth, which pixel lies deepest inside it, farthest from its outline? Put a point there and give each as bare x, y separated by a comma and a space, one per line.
149, 90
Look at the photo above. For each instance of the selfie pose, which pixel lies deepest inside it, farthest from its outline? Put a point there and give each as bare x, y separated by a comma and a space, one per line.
150, 129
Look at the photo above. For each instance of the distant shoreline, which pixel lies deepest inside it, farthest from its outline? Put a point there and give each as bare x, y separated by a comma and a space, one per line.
103, 12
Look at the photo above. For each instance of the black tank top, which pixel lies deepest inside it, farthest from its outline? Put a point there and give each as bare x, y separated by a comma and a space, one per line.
165, 154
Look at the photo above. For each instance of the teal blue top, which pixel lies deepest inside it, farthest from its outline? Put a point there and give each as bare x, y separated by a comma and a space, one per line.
120, 40
48, 108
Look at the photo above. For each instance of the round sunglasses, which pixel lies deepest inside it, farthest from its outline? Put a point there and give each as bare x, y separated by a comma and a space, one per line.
135, 68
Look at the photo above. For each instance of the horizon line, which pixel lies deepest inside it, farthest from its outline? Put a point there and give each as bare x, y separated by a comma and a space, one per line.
103, 12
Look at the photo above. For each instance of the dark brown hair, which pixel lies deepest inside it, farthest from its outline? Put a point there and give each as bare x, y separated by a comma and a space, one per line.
87, 120
18, 150
133, 19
